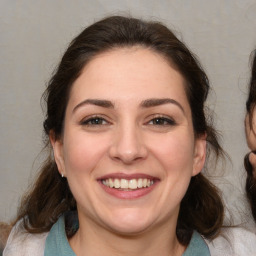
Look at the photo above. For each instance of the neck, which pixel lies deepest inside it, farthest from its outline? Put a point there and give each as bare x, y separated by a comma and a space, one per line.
92, 240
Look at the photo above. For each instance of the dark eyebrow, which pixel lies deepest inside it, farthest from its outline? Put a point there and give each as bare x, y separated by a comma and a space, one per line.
157, 102
97, 102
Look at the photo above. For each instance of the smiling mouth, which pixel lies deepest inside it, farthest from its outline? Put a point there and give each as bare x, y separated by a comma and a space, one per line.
127, 185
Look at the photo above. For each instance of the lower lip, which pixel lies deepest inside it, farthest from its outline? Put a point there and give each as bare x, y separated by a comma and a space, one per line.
131, 194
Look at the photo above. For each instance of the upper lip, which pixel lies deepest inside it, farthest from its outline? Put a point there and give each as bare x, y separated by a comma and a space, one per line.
127, 176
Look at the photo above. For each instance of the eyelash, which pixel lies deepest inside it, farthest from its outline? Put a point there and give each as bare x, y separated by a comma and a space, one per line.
162, 121
94, 121
156, 121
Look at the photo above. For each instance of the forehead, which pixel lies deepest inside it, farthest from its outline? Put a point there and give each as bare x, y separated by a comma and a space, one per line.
123, 73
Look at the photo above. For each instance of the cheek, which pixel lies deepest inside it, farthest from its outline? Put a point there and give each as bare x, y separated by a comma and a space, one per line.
175, 156
82, 153
175, 152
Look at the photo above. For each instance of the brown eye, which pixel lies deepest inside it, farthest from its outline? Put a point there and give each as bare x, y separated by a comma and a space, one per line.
162, 121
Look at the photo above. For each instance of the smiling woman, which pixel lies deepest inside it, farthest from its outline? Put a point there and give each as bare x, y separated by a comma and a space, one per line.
126, 123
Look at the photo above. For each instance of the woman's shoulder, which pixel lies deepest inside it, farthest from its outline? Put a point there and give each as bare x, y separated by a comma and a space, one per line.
23, 243
234, 241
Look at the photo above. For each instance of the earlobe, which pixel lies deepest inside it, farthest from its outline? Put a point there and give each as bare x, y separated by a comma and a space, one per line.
199, 154
57, 146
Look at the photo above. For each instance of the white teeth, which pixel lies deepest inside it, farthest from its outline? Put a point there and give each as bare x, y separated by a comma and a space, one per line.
139, 183
116, 183
124, 183
111, 183
128, 184
133, 184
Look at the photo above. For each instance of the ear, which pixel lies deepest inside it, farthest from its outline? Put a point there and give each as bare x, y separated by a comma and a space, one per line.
199, 154
57, 146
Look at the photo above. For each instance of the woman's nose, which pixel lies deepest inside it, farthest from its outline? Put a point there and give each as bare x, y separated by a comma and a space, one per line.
128, 145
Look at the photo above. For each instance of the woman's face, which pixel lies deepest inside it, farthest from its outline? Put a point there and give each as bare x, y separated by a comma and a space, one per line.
251, 131
128, 149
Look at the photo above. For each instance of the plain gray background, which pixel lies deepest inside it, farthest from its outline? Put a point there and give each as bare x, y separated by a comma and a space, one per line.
35, 33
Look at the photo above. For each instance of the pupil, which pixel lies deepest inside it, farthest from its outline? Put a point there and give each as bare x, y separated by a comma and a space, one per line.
158, 121
96, 121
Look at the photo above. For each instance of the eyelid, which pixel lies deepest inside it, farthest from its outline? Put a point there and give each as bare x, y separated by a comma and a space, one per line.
89, 118
170, 120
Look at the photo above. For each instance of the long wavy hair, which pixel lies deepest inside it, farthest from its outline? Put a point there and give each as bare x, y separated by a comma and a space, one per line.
250, 185
201, 208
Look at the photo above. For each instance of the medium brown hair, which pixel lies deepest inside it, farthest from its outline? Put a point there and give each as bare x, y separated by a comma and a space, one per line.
250, 185
201, 209
251, 101
5, 230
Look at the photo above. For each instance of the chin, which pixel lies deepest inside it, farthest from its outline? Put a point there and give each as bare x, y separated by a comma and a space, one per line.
129, 224
132, 230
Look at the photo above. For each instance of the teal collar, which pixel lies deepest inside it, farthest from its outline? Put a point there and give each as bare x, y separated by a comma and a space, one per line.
197, 246
57, 243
